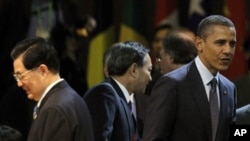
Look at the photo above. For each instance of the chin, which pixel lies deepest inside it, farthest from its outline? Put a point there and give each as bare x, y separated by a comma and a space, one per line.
223, 68
30, 96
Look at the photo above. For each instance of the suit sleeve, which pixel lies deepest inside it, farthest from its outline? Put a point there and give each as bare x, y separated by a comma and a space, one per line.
243, 116
161, 112
102, 105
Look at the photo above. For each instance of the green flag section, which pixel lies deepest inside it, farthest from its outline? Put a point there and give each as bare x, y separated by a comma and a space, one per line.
103, 37
134, 21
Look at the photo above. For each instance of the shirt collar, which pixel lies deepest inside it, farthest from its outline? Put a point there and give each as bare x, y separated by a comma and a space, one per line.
206, 74
47, 90
124, 91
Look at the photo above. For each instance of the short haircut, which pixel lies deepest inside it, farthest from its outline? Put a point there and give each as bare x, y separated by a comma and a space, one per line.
36, 51
162, 26
206, 26
179, 46
9, 134
107, 54
123, 55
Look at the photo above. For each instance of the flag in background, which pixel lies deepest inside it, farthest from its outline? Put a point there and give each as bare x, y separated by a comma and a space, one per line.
235, 10
104, 36
198, 9
133, 26
166, 12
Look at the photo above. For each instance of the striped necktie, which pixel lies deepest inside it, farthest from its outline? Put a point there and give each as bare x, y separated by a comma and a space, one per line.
35, 112
214, 107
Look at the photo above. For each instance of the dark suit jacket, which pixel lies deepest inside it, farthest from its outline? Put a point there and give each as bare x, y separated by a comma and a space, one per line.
179, 108
62, 116
110, 112
141, 101
243, 115
243, 92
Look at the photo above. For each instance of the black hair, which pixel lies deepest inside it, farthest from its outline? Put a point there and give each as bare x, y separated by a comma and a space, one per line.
123, 55
36, 51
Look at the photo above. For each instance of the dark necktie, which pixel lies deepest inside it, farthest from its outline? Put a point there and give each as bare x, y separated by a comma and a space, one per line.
134, 120
214, 107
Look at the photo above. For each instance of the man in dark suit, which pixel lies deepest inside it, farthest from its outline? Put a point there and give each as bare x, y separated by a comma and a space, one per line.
139, 102
60, 113
182, 107
242, 83
128, 69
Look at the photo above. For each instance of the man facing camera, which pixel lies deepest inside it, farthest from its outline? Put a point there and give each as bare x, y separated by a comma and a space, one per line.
195, 102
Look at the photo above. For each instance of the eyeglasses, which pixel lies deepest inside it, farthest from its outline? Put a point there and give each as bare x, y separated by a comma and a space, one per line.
20, 76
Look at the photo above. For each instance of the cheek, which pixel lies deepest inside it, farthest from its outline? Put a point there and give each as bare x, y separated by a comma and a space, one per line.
143, 76
164, 63
32, 86
35, 85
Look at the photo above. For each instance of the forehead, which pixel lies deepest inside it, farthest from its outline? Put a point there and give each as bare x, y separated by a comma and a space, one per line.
162, 51
18, 65
220, 31
161, 33
147, 61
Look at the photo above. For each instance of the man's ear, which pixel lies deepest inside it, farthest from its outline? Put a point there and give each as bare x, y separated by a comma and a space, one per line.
171, 59
199, 43
43, 69
133, 70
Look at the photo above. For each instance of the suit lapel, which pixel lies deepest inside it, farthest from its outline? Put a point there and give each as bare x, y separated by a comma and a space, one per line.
125, 106
116, 87
200, 96
223, 101
50, 92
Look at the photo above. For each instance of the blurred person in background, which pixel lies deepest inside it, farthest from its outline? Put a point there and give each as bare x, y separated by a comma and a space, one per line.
178, 49
243, 82
160, 32
10, 134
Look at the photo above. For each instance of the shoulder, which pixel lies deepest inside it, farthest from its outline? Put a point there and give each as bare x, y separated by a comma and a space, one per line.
243, 109
226, 82
177, 75
100, 88
101, 92
243, 115
62, 96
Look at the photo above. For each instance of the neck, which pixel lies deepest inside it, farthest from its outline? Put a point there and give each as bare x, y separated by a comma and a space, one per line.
124, 81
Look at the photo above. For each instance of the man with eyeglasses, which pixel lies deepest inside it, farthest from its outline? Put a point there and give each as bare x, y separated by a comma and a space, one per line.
60, 113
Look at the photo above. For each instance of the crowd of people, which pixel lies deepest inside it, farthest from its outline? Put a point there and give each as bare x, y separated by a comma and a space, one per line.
172, 91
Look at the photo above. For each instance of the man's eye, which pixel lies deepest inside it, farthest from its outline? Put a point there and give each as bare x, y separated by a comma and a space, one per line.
232, 44
220, 43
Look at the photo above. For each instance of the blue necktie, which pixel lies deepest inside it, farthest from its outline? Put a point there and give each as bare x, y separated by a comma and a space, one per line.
35, 112
214, 107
